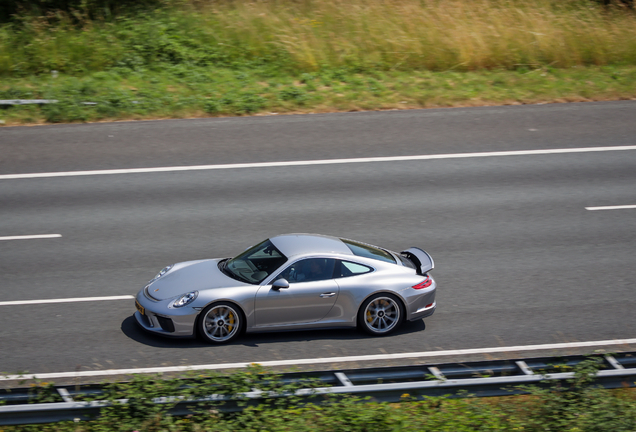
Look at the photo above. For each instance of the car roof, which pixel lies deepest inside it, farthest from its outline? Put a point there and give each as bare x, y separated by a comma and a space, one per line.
302, 244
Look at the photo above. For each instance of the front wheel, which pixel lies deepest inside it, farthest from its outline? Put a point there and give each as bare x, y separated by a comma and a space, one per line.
380, 314
221, 323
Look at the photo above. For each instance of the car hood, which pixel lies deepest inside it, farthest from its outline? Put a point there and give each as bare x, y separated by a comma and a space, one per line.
189, 276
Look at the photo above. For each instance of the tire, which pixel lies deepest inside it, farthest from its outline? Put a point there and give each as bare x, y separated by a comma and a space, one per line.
380, 314
221, 323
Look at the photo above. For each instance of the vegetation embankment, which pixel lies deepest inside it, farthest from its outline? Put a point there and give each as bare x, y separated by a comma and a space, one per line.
179, 59
575, 406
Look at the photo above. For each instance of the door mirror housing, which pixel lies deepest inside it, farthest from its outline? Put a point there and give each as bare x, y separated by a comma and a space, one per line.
280, 283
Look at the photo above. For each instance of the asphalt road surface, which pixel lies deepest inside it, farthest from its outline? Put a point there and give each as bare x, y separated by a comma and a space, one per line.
523, 256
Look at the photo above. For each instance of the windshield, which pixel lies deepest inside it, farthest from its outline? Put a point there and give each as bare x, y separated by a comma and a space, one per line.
368, 251
256, 263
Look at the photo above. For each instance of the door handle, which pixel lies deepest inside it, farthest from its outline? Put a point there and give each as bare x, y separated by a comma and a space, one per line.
325, 295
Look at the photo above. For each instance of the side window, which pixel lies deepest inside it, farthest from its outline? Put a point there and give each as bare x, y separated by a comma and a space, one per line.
309, 270
347, 268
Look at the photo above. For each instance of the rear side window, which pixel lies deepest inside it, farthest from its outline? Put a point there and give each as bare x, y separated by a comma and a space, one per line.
348, 268
368, 251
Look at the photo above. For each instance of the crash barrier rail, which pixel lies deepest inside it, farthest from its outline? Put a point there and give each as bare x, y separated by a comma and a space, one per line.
27, 101
10, 102
385, 384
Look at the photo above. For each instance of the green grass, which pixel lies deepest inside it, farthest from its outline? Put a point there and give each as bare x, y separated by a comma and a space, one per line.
180, 92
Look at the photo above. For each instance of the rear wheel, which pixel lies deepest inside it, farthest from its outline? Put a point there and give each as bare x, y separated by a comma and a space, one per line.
380, 314
221, 323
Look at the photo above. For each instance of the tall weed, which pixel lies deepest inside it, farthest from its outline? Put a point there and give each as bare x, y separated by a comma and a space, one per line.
311, 35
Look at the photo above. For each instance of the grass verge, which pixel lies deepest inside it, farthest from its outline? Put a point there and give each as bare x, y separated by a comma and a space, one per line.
191, 58
182, 92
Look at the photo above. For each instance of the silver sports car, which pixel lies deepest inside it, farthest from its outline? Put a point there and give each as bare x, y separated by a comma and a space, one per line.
290, 282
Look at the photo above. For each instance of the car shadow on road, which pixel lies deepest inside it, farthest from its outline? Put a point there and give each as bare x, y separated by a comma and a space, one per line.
130, 328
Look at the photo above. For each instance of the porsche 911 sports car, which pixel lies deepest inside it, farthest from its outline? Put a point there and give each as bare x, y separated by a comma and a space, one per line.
290, 282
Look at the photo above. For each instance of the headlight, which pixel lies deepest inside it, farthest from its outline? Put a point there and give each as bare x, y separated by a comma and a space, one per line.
185, 299
161, 273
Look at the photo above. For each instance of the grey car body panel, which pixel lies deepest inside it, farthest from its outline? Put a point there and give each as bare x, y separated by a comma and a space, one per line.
298, 307
300, 303
191, 276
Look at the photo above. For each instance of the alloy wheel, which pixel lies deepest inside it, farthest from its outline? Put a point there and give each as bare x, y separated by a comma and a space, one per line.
382, 314
221, 323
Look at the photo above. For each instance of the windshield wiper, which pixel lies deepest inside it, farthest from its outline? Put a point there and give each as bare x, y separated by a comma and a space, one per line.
223, 267
233, 274
239, 276
245, 279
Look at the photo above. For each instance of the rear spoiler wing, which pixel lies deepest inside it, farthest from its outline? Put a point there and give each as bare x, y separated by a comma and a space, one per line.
422, 260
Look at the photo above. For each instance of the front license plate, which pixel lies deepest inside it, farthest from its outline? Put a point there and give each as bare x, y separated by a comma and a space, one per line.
140, 308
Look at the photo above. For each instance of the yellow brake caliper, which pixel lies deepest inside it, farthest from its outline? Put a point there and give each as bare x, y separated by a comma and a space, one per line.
231, 320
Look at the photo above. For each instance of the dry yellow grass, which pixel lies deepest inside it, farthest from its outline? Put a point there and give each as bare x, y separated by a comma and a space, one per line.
429, 34
435, 35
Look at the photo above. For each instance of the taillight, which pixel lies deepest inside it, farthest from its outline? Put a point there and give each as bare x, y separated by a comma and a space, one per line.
424, 284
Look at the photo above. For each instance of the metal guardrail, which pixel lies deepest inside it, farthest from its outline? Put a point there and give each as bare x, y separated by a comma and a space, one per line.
11, 102
390, 384
27, 101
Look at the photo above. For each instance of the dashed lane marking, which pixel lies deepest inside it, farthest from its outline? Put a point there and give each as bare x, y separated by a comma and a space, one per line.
31, 237
619, 207
64, 300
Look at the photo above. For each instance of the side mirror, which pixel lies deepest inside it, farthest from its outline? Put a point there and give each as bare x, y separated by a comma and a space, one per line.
280, 283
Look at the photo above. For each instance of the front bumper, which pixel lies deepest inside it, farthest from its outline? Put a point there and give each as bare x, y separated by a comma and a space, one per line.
158, 318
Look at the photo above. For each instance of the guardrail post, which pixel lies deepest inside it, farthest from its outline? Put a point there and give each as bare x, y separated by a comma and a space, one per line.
611, 360
343, 379
437, 373
524, 367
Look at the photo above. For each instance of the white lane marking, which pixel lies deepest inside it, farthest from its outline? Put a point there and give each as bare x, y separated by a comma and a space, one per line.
31, 237
314, 162
64, 300
620, 207
511, 349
